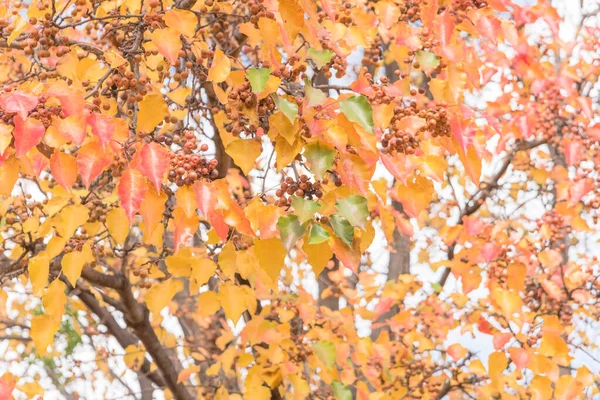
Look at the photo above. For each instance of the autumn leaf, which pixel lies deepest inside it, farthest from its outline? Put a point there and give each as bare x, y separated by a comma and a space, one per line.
168, 43
19, 103
183, 21
43, 329
325, 350
132, 188
244, 153
354, 209
91, 161
305, 209
64, 169
357, 109
342, 228
320, 156
154, 163
220, 67
152, 111
160, 295
258, 78
28, 133
290, 230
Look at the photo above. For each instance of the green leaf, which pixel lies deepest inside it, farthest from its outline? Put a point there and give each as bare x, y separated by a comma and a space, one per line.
320, 57
318, 234
357, 109
341, 391
305, 209
314, 97
428, 61
325, 350
290, 230
320, 156
258, 78
354, 209
342, 228
289, 109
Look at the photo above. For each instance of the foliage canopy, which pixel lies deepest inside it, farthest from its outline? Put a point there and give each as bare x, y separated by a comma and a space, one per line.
196, 194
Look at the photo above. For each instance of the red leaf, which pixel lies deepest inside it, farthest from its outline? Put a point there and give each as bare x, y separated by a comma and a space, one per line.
18, 102
64, 169
206, 197
7, 385
72, 101
27, 133
132, 188
103, 127
91, 161
154, 162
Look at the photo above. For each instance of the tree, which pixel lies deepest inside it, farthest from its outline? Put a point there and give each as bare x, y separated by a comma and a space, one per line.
193, 206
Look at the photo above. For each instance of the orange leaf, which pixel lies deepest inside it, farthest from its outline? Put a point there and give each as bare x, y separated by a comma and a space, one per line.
152, 209
168, 43
64, 169
182, 21
73, 127
91, 161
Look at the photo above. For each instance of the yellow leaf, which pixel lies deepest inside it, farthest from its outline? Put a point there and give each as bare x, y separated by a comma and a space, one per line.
227, 260
246, 263
202, 270
220, 67
71, 218
209, 303
19, 26
43, 329
160, 295
31, 389
114, 59
318, 255
134, 356
280, 125
244, 153
54, 299
292, 15
179, 95
186, 200
39, 268
153, 110
90, 70
55, 246
180, 265
5, 136
182, 21
271, 256
9, 173
232, 299
286, 153
72, 264
541, 388
31, 225
117, 229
